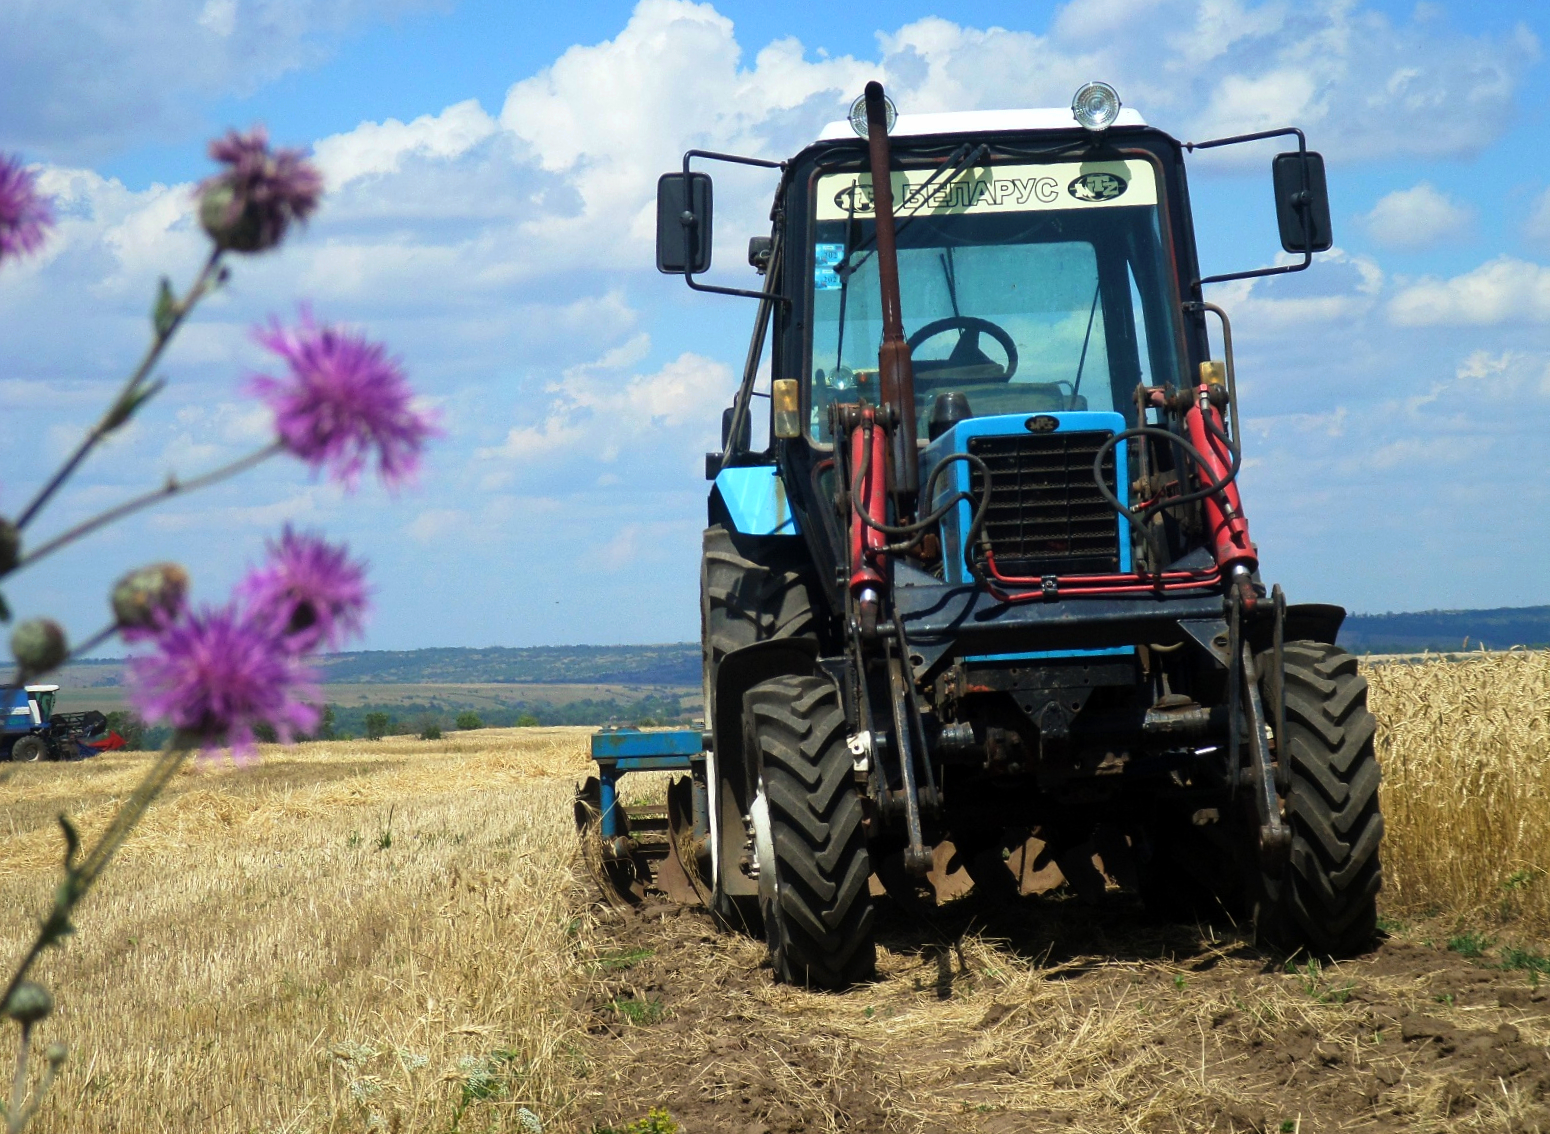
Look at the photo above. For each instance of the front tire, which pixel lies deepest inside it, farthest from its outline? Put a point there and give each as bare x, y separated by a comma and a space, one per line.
811, 841
1325, 900
752, 590
29, 750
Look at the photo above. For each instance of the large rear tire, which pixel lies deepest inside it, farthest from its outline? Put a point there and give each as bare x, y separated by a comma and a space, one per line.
1325, 900
751, 590
811, 841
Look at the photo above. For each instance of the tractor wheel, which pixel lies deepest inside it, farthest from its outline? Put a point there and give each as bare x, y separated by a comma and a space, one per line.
1325, 900
811, 844
751, 590
29, 750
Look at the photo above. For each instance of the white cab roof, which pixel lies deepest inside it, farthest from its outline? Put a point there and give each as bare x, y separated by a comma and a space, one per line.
43, 689
977, 122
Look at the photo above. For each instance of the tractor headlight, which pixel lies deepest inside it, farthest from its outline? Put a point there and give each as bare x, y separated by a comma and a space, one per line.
858, 115
1095, 106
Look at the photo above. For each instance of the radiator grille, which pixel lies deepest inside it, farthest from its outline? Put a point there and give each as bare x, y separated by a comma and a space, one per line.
1046, 515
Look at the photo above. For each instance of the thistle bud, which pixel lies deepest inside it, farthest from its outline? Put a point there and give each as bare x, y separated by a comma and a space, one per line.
249, 206
56, 1053
39, 645
148, 598
29, 1003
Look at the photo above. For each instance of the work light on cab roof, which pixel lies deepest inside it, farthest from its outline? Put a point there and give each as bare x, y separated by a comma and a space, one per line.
1095, 105
858, 121
984, 594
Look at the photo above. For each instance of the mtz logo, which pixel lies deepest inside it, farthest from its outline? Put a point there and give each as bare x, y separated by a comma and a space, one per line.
1097, 187
855, 198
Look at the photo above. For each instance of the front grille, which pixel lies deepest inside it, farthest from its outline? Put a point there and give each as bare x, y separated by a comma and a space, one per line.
1046, 516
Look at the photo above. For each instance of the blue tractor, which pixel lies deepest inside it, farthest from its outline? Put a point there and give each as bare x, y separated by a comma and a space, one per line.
988, 588
34, 731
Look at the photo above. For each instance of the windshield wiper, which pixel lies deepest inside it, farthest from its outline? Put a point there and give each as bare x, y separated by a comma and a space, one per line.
1082, 362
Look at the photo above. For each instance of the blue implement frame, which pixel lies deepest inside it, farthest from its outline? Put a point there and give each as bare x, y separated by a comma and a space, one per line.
619, 751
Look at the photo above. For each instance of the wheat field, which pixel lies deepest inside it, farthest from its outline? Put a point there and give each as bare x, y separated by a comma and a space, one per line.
1465, 750
394, 935
343, 936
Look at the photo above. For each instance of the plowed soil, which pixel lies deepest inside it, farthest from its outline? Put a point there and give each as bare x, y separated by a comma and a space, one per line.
1049, 1014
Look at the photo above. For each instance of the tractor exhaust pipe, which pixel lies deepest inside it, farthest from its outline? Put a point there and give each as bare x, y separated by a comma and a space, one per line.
896, 375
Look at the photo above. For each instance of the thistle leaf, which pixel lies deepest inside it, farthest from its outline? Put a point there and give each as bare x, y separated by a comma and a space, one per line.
164, 315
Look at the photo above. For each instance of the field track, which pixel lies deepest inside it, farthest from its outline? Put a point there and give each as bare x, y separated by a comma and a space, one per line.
394, 936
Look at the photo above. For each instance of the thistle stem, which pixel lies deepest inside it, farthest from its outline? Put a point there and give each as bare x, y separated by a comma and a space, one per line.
202, 286
79, 878
172, 487
16, 1117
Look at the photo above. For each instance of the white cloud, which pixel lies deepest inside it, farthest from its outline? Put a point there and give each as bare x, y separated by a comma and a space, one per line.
374, 147
593, 415
83, 78
1502, 290
1416, 218
1537, 226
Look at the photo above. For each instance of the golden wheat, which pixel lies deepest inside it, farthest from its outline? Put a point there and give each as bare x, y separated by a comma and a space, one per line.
1465, 750
345, 936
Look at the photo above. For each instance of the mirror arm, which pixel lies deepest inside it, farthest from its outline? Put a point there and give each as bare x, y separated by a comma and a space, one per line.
689, 223
734, 445
1237, 139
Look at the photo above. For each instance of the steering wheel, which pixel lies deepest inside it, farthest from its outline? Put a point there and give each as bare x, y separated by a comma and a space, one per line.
966, 351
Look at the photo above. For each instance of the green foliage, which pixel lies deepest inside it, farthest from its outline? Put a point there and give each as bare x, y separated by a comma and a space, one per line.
376, 725
659, 1121
466, 722
1316, 985
484, 1078
624, 959
326, 722
1530, 960
527, 720
1469, 944
638, 1012
430, 730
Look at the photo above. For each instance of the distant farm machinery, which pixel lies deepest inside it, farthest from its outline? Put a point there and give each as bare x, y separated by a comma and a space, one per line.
33, 731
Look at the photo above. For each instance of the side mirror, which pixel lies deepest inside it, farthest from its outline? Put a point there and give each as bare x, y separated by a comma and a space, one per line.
683, 223
1302, 202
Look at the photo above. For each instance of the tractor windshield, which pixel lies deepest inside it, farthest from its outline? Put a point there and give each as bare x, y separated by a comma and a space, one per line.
1027, 288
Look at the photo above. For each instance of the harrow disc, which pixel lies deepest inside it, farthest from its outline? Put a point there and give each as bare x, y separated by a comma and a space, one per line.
654, 854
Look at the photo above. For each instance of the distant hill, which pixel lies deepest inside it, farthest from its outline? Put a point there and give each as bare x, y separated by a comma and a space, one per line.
1447, 630
678, 663
672, 664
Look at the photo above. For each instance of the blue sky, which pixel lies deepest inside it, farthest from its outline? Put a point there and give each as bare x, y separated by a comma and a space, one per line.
491, 169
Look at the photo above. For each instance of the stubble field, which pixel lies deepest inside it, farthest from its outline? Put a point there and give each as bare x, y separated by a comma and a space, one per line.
395, 936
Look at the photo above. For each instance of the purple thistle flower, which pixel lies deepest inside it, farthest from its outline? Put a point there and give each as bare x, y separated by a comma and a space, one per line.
249, 206
309, 592
217, 674
343, 400
24, 214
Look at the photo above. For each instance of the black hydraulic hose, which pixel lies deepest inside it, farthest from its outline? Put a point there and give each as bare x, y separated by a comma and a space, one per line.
935, 516
1212, 487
